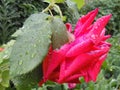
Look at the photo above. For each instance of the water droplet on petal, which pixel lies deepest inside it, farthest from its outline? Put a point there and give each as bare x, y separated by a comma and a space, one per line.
96, 27
98, 24
93, 36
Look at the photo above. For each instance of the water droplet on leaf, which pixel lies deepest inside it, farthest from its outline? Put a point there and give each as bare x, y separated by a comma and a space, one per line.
35, 45
20, 62
33, 55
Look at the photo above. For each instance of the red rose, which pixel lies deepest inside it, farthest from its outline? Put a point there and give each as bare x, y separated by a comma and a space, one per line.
82, 56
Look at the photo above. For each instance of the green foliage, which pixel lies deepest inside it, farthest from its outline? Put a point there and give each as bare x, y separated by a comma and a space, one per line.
106, 7
58, 37
55, 1
31, 45
13, 13
4, 65
113, 62
71, 12
79, 3
29, 80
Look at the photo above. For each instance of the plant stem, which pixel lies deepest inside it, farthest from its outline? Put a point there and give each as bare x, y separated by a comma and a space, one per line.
59, 10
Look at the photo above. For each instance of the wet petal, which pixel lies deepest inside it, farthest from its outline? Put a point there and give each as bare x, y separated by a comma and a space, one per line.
80, 48
84, 22
98, 27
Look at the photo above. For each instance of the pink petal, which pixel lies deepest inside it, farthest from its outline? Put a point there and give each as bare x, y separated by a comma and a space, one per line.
46, 61
79, 62
106, 37
69, 27
71, 85
79, 48
95, 69
98, 27
71, 37
55, 61
84, 22
54, 76
62, 69
73, 78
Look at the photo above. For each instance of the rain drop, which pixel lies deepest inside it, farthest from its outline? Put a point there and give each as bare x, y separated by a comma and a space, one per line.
20, 62
35, 45
49, 36
98, 24
33, 55
96, 27
93, 36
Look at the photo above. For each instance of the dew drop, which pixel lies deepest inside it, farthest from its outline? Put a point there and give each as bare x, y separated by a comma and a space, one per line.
98, 24
49, 36
33, 55
93, 36
35, 45
20, 62
96, 27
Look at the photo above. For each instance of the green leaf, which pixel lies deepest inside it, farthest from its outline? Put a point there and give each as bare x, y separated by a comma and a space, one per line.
28, 81
2, 88
56, 1
4, 73
59, 1
31, 21
59, 33
79, 3
5, 78
82, 80
48, 1
73, 11
37, 18
31, 45
4, 65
